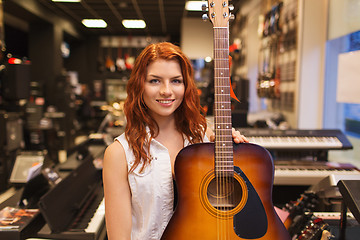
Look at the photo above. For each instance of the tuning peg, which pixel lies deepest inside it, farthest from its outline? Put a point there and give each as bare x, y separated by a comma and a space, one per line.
204, 7
205, 17
231, 7
232, 16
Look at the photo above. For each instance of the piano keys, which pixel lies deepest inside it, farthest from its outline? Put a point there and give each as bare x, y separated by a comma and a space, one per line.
298, 144
97, 219
74, 208
91, 227
309, 173
91, 216
301, 156
329, 139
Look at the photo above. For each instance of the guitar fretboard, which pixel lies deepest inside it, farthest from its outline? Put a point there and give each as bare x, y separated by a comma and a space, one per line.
222, 107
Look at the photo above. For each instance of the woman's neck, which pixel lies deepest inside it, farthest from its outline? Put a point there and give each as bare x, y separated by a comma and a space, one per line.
170, 136
166, 124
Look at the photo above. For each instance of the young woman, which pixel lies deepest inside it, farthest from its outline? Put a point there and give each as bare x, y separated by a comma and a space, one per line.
163, 116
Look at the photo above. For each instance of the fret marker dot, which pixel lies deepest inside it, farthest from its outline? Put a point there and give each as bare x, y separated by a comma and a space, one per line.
218, 126
223, 144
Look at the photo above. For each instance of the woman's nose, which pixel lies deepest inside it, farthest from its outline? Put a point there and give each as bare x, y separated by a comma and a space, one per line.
165, 89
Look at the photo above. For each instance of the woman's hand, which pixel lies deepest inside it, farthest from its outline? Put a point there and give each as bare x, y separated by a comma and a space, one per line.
237, 137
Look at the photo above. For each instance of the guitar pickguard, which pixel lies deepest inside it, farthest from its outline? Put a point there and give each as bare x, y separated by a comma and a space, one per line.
251, 222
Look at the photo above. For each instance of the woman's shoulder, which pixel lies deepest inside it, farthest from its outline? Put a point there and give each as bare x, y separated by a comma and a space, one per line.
122, 140
114, 152
114, 147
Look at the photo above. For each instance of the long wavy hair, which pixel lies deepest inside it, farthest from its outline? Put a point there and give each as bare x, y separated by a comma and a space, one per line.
189, 119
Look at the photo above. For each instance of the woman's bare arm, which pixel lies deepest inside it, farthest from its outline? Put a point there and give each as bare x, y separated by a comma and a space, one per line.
117, 193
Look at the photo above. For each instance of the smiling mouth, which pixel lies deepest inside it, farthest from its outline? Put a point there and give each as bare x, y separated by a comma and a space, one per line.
165, 101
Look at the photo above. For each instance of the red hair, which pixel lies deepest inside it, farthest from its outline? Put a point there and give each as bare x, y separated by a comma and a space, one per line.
189, 119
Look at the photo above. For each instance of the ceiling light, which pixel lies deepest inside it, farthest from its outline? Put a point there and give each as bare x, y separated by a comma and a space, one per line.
66, 0
94, 23
132, 23
195, 5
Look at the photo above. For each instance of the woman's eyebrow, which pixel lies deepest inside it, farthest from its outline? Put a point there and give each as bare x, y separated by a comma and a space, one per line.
179, 76
153, 75
156, 76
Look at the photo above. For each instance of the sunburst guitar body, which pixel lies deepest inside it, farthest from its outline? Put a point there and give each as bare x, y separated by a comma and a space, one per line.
234, 206
224, 189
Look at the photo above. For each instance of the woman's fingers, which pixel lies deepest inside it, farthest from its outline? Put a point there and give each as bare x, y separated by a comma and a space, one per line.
238, 137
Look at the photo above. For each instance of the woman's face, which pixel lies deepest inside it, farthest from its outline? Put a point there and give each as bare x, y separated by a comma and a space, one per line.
164, 88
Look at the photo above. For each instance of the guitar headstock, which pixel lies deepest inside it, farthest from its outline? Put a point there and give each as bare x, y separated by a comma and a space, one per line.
219, 12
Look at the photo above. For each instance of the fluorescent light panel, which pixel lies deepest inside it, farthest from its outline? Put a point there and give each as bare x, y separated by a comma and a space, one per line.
195, 5
66, 0
94, 23
133, 23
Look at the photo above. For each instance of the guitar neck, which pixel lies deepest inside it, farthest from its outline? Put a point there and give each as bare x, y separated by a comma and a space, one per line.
222, 107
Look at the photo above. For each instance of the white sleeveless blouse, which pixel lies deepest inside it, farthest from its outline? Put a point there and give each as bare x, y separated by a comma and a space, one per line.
152, 191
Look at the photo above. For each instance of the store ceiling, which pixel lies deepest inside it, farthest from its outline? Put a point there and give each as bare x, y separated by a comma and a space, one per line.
162, 17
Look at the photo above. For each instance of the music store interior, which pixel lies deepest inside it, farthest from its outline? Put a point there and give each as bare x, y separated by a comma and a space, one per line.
294, 70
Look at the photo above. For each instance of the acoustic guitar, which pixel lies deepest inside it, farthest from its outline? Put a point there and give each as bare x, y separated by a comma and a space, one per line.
224, 189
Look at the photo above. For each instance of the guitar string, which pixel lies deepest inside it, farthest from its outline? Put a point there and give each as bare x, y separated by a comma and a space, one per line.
231, 186
221, 136
221, 146
217, 133
217, 136
229, 149
225, 181
223, 186
228, 152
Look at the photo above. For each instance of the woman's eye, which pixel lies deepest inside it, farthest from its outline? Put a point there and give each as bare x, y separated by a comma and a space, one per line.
153, 81
177, 81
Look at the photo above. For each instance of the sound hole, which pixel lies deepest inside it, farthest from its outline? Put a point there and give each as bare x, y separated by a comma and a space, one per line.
224, 193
